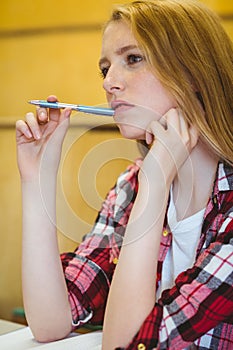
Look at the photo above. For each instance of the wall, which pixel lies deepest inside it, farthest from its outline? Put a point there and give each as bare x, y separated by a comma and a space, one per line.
53, 47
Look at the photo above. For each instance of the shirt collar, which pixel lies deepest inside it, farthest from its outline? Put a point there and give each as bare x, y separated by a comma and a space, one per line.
224, 179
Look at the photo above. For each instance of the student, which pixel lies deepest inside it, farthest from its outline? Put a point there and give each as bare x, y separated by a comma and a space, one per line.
165, 230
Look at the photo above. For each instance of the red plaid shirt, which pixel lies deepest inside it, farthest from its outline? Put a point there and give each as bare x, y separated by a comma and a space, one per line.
198, 310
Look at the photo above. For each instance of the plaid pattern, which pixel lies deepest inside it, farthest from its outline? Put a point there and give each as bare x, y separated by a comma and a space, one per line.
197, 313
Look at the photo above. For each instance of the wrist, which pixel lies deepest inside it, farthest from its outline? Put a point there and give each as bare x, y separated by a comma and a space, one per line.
36, 176
156, 180
159, 166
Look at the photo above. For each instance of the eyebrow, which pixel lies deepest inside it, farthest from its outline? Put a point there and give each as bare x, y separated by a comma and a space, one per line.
119, 52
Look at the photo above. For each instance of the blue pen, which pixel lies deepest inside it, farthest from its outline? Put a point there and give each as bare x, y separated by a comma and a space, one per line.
80, 108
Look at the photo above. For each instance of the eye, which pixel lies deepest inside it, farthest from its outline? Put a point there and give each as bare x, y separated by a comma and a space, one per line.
104, 72
133, 59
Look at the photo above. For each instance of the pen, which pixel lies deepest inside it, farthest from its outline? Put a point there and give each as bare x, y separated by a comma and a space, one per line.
80, 108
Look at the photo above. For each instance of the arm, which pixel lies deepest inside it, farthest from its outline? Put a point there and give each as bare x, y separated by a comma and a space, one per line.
44, 289
89, 269
200, 301
132, 291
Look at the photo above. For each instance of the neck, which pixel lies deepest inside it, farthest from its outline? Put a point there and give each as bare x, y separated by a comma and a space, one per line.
194, 182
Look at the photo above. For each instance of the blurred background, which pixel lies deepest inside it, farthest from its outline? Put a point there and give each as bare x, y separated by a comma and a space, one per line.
53, 47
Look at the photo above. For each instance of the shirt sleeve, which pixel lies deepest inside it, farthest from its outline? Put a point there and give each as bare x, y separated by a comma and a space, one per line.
201, 299
88, 271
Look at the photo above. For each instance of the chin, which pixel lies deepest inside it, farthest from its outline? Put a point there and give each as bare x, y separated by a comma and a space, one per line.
131, 133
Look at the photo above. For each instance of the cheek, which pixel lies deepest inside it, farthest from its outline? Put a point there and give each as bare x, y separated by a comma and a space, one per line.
108, 97
155, 96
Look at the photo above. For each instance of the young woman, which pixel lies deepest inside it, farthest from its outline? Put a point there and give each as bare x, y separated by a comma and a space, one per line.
158, 262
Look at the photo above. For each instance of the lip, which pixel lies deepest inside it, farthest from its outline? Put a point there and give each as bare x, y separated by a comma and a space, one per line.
121, 105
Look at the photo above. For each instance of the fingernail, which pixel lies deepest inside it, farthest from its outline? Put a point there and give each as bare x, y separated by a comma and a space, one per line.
42, 115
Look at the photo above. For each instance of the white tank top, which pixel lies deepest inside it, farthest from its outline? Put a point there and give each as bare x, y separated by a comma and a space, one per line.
182, 253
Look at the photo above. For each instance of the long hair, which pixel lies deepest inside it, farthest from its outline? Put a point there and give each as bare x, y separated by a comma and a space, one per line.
191, 54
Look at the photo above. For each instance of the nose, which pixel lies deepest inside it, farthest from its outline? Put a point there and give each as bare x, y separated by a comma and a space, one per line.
113, 82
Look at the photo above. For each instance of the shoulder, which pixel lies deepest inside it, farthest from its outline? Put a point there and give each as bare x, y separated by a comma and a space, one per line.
222, 195
225, 177
218, 218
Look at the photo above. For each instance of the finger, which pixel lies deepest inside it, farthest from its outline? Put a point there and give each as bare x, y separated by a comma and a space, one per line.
52, 98
163, 121
42, 115
149, 137
65, 115
194, 136
23, 129
184, 128
157, 129
189, 133
173, 119
33, 125
179, 127
62, 126
54, 114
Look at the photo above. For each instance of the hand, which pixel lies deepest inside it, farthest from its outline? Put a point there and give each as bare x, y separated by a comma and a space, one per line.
41, 135
172, 141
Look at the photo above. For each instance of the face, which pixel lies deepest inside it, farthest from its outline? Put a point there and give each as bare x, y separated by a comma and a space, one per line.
132, 90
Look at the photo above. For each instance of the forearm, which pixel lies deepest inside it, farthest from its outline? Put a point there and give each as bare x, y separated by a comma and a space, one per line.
132, 293
44, 289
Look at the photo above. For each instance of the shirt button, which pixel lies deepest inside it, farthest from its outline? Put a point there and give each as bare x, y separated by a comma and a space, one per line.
141, 346
165, 233
115, 261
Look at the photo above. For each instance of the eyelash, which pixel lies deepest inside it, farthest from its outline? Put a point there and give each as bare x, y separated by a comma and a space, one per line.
131, 59
103, 72
136, 58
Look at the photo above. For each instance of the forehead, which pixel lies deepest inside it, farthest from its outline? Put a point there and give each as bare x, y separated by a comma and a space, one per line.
116, 35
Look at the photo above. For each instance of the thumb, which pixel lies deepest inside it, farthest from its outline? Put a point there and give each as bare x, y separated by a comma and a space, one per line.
62, 127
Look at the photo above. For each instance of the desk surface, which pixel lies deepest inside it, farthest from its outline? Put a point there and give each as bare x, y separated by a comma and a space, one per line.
7, 326
16, 336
